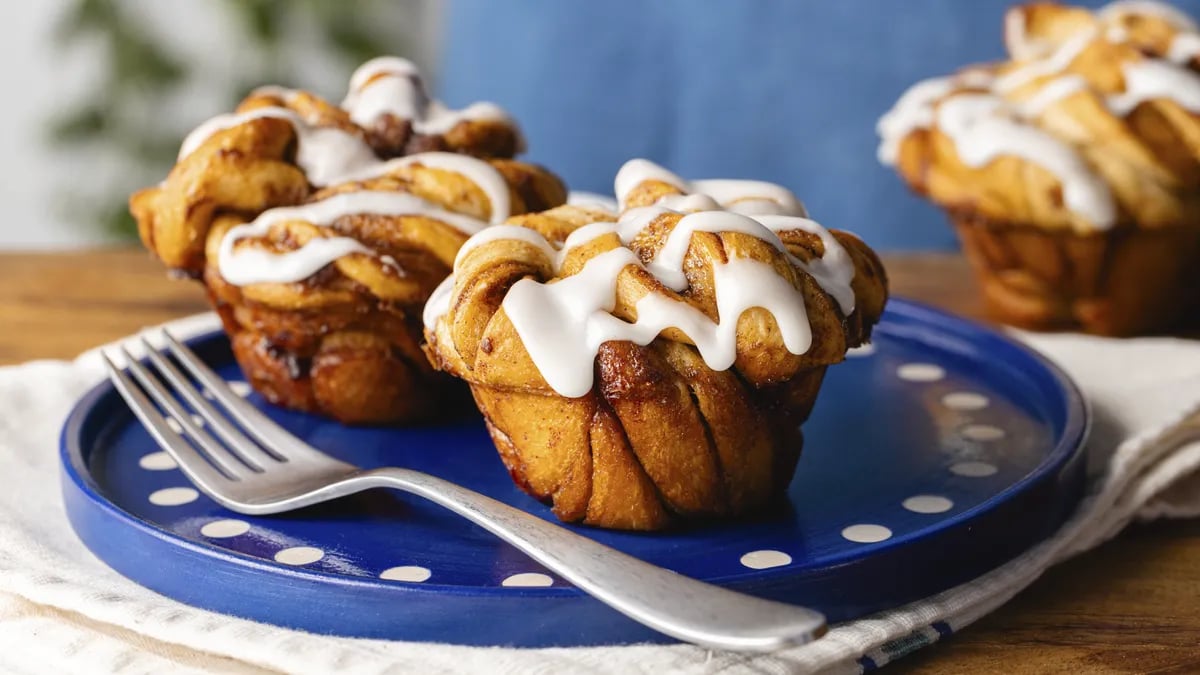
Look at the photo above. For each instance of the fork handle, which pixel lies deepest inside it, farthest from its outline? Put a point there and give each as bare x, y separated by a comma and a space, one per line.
679, 606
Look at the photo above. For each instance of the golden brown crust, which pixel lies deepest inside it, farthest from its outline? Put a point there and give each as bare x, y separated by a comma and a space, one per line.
250, 167
660, 437
1041, 265
392, 136
240, 171
1149, 157
345, 342
1127, 282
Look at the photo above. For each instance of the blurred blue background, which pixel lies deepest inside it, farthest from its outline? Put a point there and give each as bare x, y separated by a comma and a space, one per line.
780, 90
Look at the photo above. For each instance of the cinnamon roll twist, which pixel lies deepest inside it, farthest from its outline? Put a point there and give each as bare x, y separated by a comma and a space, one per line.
319, 239
1071, 170
652, 367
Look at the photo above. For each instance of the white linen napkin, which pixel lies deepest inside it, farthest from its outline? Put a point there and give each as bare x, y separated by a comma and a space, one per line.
63, 611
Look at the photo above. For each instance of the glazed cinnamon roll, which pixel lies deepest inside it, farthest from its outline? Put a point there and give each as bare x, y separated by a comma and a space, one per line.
1071, 171
642, 369
319, 233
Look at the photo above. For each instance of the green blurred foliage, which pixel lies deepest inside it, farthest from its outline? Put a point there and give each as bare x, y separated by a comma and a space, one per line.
140, 69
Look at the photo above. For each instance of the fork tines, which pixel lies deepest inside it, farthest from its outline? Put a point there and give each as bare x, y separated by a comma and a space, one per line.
243, 449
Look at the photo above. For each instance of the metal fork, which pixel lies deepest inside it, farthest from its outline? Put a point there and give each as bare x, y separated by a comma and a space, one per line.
254, 466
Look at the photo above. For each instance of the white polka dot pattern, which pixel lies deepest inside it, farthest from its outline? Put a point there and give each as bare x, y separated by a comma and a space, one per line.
965, 401
865, 533
411, 573
973, 469
224, 529
765, 559
928, 504
962, 401
175, 496
920, 372
862, 533
299, 555
528, 579
157, 461
982, 432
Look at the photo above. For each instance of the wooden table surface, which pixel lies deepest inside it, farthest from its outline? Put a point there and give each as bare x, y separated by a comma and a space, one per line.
1132, 606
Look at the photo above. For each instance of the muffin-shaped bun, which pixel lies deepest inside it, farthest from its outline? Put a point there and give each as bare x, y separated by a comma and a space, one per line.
322, 301
1090, 124
319, 239
281, 145
639, 369
387, 98
1070, 168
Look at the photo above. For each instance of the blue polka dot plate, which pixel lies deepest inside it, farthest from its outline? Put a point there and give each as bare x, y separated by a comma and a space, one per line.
935, 454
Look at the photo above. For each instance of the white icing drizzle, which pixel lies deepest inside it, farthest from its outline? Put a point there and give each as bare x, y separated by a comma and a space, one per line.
329, 155
1051, 65
1050, 93
438, 304
245, 265
249, 265
751, 197
1161, 10
592, 200
913, 111
834, 270
484, 175
563, 323
1184, 47
393, 85
986, 126
742, 196
981, 135
326, 154
686, 203
636, 171
393, 66
975, 78
1153, 79
1017, 40
511, 233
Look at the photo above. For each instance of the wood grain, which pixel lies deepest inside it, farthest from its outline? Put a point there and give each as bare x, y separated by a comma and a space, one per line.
1132, 606
57, 305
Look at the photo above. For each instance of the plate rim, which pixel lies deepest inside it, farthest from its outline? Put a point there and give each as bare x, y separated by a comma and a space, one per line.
1069, 444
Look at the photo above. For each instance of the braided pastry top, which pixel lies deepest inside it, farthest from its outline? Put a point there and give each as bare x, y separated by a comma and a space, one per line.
281, 146
393, 237
769, 294
1093, 122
